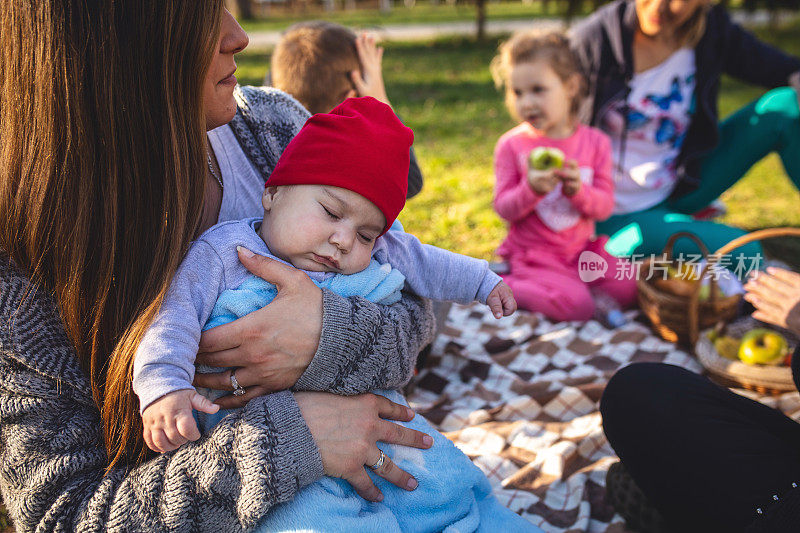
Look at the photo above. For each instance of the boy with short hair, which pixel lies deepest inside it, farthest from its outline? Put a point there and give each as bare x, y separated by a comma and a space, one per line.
322, 64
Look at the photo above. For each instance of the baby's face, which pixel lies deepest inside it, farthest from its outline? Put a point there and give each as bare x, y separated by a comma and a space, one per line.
321, 228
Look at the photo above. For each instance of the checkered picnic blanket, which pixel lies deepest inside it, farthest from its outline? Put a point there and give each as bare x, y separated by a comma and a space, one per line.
520, 397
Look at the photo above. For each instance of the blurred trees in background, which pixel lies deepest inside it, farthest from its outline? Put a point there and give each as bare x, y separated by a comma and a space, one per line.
246, 10
774, 7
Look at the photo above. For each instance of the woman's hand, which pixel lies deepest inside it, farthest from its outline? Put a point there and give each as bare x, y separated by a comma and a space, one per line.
271, 347
776, 296
346, 429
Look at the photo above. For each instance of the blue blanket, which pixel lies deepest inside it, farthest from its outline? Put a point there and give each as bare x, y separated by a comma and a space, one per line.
453, 494
377, 283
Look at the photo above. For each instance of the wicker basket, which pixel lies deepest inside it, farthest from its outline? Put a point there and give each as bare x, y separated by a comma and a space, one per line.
680, 318
761, 378
765, 379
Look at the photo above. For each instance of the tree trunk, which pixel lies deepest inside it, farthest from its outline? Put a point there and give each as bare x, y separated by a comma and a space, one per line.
241, 9
480, 6
573, 8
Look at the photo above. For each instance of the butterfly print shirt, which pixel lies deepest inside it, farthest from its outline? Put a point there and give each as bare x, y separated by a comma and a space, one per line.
647, 130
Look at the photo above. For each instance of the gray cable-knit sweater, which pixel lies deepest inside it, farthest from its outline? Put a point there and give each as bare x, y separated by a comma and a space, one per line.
52, 458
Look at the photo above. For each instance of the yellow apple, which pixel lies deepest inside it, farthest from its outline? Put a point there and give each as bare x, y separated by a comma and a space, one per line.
762, 346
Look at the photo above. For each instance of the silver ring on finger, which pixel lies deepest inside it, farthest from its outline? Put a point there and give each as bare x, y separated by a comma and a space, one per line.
238, 390
379, 463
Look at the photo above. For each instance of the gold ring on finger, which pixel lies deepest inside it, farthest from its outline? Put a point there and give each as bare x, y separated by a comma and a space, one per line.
238, 390
379, 462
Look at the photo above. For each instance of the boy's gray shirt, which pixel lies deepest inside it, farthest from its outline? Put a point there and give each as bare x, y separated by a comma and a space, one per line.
165, 358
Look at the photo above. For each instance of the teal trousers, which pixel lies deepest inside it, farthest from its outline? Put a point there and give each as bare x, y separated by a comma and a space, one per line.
769, 124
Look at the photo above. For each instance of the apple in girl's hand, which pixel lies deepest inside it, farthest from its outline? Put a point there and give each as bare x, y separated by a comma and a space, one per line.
544, 158
762, 346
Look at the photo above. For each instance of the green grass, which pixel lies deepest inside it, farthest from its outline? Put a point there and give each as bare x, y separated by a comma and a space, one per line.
444, 91
5, 523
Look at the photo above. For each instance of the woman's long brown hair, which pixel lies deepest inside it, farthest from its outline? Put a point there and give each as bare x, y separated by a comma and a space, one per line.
102, 168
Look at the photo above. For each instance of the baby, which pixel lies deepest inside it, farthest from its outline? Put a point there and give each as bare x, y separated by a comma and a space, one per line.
335, 192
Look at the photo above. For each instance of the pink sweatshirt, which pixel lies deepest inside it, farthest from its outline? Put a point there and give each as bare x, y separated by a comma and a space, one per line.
554, 222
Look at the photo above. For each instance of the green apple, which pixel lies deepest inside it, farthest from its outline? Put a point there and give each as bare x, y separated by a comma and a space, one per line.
727, 346
543, 158
762, 346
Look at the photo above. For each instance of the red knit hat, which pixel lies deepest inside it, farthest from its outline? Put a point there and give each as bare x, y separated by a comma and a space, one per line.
360, 145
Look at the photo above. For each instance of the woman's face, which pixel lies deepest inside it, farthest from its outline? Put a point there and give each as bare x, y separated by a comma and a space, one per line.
220, 106
664, 17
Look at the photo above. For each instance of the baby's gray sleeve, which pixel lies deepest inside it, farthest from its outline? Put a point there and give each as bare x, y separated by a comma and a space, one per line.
164, 361
435, 273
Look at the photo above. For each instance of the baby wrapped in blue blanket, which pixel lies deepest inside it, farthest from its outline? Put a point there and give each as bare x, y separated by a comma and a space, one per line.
453, 494
330, 222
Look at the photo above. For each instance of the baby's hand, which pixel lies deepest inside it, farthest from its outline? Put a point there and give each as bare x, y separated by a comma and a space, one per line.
501, 300
542, 181
570, 177
168, 421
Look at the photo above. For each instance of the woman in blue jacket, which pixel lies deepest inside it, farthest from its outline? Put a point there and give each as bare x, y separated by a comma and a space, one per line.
653, 68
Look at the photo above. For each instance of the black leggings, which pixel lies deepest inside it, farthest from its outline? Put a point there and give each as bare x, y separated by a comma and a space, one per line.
707, 458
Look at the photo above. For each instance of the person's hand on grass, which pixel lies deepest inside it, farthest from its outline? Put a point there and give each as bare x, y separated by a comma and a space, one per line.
776, 296
501, 300
168, 422
369, 81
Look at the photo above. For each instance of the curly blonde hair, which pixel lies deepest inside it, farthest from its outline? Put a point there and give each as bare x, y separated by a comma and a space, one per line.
530, 46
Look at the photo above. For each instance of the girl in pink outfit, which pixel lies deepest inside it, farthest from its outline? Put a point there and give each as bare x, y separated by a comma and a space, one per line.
555, 259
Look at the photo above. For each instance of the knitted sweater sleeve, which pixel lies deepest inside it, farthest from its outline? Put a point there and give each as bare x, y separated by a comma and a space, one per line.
53, 462
366, 346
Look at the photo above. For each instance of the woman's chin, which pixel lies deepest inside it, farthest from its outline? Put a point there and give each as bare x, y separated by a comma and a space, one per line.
221, 115
649, 27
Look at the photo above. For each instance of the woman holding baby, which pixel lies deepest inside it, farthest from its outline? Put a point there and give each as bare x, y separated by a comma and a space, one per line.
106, 175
